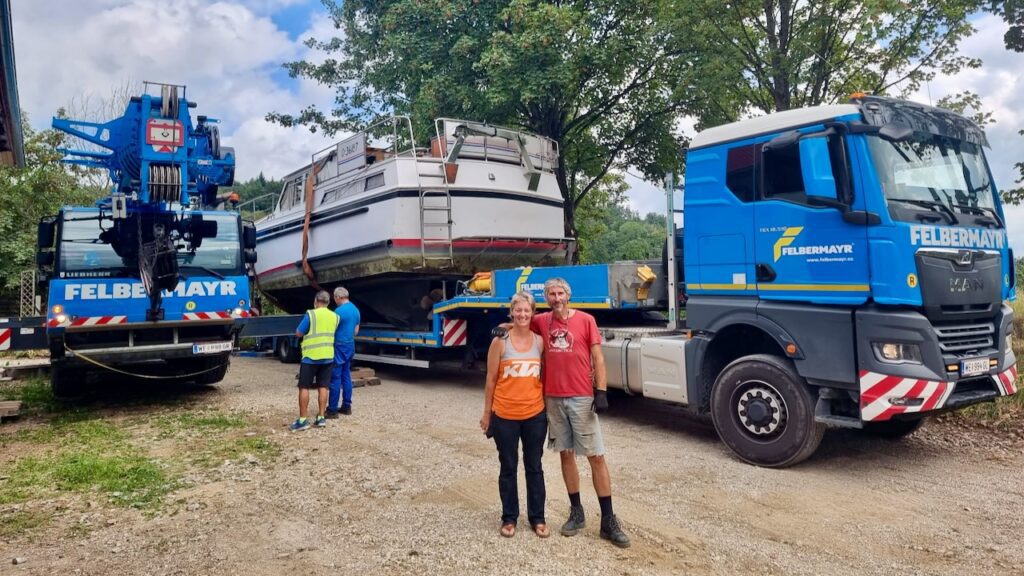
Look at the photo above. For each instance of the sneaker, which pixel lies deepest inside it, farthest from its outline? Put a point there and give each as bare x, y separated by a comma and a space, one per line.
612, 530
576, 522
299, 424
346, 410
331, 414
320, 422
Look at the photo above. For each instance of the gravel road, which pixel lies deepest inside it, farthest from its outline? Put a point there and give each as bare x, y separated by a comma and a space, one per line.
408, 485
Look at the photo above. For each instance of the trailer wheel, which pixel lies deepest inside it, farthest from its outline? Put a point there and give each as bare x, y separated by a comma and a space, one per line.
287, 353
893, 429
764, 412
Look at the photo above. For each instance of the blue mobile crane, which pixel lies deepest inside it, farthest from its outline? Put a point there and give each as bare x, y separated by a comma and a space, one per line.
844, 266
149, 282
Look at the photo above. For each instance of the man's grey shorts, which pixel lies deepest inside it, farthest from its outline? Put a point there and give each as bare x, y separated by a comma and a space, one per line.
573, 425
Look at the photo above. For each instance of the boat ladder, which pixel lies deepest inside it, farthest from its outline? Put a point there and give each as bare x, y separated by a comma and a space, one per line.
435, 221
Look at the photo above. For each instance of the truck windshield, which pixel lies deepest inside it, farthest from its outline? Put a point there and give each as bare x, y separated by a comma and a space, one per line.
83, 253
932, 173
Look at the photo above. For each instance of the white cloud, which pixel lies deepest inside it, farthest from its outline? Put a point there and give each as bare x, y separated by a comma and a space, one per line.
225, 52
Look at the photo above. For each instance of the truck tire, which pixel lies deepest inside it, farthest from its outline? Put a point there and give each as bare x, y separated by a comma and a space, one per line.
893, 429
64, 384
287, 352
763, 411
217, 374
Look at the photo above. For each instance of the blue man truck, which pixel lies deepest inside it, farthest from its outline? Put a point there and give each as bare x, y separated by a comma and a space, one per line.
843, 266
149, 282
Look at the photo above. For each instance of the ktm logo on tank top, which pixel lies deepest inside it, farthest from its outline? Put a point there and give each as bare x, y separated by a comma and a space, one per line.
522, 369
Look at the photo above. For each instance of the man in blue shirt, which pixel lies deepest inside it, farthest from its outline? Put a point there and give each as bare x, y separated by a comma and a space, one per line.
344, 350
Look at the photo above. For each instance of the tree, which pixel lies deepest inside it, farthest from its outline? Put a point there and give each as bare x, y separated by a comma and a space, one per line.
1012, 12
26, 195
775, 55
597, 77
609, 230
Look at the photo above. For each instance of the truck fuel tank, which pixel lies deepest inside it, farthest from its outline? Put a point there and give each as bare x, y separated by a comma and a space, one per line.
647, 361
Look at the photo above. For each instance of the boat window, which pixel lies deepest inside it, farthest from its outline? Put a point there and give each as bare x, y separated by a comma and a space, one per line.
375, 181
292, 194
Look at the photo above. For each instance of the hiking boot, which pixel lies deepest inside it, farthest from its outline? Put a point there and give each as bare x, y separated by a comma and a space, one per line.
576, 522
299, 424
612, 530
346, 410
331, 414
321, 422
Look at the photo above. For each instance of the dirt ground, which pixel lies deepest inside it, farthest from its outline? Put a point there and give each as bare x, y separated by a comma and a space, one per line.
408, 485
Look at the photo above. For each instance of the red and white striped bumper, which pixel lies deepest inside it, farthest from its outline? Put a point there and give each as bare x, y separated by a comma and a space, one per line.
82, 321
5, 338
882, 396
454, 332
215, 315
1007, 381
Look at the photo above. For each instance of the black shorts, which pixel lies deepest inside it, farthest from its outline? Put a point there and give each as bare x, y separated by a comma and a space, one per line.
314, 375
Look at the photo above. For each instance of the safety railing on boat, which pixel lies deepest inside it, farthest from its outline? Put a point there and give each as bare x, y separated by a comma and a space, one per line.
258, 207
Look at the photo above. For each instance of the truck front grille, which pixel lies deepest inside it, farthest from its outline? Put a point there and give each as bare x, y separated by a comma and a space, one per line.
963, 337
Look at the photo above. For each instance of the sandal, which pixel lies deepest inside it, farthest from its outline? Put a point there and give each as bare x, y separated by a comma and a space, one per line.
508, 529
541, 530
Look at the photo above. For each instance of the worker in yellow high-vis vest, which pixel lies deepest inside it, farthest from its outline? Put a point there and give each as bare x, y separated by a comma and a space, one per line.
317, 332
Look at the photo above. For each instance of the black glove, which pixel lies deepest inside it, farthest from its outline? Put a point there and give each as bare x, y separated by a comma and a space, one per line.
498, 332
600, 400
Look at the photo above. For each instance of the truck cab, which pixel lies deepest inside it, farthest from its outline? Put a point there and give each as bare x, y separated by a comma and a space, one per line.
862, 249
97, 314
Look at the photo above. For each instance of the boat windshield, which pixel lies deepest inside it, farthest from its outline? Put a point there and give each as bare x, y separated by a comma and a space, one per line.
933, 173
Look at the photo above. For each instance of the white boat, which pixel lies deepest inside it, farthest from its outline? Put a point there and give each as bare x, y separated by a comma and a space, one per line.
394, 223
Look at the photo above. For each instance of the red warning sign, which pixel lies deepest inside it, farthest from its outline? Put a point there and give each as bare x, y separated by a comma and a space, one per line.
164, 135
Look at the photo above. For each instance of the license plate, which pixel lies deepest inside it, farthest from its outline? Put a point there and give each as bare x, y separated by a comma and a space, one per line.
973, 367
212, 347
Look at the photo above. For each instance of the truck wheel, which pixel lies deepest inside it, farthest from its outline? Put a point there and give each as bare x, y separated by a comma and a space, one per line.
764, 412
287, 352
217, 374
893, 429
64, 384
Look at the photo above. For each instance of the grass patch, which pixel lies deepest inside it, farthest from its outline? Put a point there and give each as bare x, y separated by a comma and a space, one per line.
125, 477
237, 450
205, 422
35, 394
21, 523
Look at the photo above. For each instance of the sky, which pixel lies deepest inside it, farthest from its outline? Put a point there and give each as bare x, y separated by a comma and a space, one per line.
229, 54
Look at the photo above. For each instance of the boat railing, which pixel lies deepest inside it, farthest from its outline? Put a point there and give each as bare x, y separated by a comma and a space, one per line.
258, 207
387, 138
492, 143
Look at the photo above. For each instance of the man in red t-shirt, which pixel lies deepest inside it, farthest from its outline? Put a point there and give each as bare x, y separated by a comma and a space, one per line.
575, 390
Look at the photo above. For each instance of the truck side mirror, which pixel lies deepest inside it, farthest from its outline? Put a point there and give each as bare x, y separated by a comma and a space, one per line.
249, 236
44, 258
249, 255
816, 165
45, 232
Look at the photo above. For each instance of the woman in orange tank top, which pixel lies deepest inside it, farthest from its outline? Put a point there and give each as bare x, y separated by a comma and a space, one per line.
514, 412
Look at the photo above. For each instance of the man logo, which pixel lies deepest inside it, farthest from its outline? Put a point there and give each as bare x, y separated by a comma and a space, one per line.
965, 258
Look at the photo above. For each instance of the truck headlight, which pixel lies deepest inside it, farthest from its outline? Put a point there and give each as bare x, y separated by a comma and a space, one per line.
897, 352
